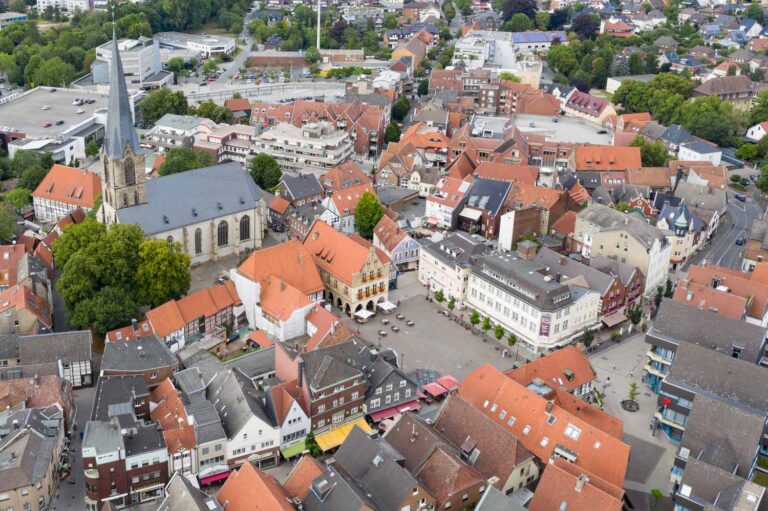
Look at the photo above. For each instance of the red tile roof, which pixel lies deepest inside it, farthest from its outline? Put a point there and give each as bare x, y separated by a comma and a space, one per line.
69, 185
170, 414
250, 489
388, 234
302, 474
565, 486
445, 475
552, 370
541, 425
566, 224
174, 314
279, 205
280, 299
505, 172
22, 298
597, 157
289, 261
9, 260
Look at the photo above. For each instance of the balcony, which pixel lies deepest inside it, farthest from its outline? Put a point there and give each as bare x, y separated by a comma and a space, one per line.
652, 370
668, 422
658, 358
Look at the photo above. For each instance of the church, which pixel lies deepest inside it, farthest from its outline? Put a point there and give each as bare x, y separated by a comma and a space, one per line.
213, 212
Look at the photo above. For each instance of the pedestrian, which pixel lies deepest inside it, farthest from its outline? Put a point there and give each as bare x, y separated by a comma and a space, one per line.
631, 374
614, 367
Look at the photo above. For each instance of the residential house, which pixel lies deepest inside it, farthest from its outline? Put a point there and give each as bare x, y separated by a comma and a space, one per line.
603, 231
446, 202
344, 176
680, 322
249, 488
445, 265
700, 151
688, 232
739, 91
177, 322
569, 486
24, 312
756, 246
300, 189
483, 207
404, 164
173, 131
399, 246
585, 436
566, 369
355, 276
340, 207
591, 108
63, 190
279, 286
605, 158
617, 28
47, 392
287, 408
390, 391
757, 132
145, 356
180, 493
525, 298
66, 354
167, 410
414, 49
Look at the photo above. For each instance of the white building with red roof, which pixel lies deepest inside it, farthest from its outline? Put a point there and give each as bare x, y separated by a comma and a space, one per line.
63, 190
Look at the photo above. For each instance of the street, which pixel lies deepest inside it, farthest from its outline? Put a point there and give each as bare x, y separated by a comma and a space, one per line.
245, 50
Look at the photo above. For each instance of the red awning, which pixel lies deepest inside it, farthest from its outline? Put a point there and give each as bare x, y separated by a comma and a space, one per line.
383, 414
434, 389
214, 478
448, 382
409, 407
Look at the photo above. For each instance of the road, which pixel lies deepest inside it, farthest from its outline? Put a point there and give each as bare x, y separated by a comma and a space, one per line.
245, 49
458, 21
724, 251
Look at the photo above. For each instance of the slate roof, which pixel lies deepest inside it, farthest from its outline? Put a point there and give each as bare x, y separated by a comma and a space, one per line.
373, 465
145, 353
702, 370
48, 348
487, 194
624, 271
327, 366
709, 484
680, 323
334, 491
701, 196
680, 216
24, 460
302, 186
676, 134
207, 420
607, 219
194, 196
119, 132
236, 400
561, 264
181, 495
114, 395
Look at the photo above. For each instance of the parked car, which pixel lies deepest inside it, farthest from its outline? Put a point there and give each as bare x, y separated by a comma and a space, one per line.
59, 122
740, 240
46, 107
753, 177
741, 198
745, 182
47, 125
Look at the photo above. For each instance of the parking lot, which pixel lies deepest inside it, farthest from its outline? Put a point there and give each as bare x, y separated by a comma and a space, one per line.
434, 341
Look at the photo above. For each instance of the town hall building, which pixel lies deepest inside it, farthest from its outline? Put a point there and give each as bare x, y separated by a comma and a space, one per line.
213, 211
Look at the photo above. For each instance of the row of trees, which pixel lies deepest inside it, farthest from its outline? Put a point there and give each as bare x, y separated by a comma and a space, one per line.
108, 272
164, 101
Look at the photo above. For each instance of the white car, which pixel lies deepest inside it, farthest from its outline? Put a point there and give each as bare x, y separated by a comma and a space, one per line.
80, 110
46, 107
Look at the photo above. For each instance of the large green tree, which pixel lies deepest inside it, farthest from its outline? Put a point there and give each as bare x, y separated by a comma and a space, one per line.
265, 171
212, 111
163, 101
163, 273
711, 119
7, 224
400, 108
182, 159
653, 154
392, 133
759, 112
19, 198
367, 214
54, 72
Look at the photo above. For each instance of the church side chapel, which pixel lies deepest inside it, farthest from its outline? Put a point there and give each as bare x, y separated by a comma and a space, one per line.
213, 212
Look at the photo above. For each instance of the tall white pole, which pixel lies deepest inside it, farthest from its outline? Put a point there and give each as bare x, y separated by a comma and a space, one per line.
319, 9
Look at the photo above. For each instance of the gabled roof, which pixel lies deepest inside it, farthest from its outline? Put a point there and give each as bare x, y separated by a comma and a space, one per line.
301, 476
567, 368
301, 186
20, 298
207, 302
388, 234
346, 200
445, 475
596, 157
737, 283
76, 187
344, 176
289, 261
280, 299
170, 415
335, 252
505, 172
250, 489
566, 486
487, 195
525, 414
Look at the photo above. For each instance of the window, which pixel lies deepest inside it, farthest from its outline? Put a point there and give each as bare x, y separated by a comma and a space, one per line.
551, 419
135, 197
321, 409
223, 233
245, 228
198, 241
511, 421
356, 395
572, 432
129, 172
375, 403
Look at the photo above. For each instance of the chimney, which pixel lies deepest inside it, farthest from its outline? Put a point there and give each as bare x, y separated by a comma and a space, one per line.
135, 325
282, 285
526, 249
580, 482
550, 403
13, 455
15, 424
301, 259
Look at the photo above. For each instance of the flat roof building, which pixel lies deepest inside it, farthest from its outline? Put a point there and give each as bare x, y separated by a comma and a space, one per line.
207, 45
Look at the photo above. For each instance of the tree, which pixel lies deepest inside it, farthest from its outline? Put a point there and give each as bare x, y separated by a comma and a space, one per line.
635, 64
633, 391
652, 154
668, 289
423, 87
311, 445
451, 304
92, 148
508, 76
518, 23
659, 295
759, 112
392, 133
711, 119
32, 176
105, 310
400, 108
265, 171
755, 11
312, 55
512, 7
511, 339
212, 111
747, 152
474, 318
19, 198
54, 72
367, 214
163, 101
542, 20
183, 159
439, 296
498, 332
486, 324
176, 66
163, 273
7, 224
635, 314
585, 26
587, 337
76, 237
622, 206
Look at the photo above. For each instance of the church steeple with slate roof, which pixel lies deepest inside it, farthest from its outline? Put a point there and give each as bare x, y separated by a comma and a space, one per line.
124, 181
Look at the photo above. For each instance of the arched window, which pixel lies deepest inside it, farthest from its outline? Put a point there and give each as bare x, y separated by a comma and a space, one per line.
106, 170
129, 172
169, 239
135, 198
245, 228
125, 200
223, 232
198, 241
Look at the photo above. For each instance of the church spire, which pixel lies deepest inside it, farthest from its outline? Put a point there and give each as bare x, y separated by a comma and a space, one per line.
120, 130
